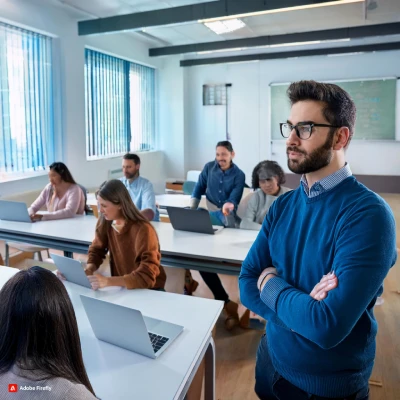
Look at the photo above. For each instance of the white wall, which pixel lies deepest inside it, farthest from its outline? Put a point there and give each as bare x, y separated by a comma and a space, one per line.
171, 116
250, 117
47, 16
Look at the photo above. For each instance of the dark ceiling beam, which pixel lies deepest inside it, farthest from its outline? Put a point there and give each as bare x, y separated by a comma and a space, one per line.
291, 54
184, 14
330, 34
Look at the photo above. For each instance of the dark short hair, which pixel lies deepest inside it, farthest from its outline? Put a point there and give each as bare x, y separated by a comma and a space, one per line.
272, 167
39, 328
133, 157
225, 143
339, 109
63, 171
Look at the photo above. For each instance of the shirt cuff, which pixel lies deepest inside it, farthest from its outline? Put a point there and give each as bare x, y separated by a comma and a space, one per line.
271, 291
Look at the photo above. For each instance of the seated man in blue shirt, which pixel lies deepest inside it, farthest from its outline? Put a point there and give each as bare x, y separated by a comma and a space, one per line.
320, 338
222, 182
140, 189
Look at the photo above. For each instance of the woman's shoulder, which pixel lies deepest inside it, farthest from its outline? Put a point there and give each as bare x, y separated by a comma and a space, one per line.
60, 388
47, 188
74, 188
72, 391
140, 227
258, 196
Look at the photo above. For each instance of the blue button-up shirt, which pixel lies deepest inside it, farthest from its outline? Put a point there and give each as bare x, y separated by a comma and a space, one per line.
220, 186
327, 183
142, 194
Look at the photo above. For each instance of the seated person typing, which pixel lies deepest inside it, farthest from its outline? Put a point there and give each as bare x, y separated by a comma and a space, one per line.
131, 240
39, 339
63, 197
267, 180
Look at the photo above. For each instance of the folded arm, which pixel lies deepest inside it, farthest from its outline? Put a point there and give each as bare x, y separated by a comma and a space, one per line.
256, 261
366, 250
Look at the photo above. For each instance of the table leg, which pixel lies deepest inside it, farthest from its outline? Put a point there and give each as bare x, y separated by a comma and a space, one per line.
209, 373
68, 254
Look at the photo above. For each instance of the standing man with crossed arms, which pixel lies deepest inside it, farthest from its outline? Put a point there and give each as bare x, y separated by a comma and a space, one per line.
320, 338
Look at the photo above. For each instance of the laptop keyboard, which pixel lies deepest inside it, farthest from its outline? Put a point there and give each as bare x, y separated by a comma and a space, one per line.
157, 341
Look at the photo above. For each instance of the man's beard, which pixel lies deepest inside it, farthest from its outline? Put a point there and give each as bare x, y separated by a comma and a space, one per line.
314, 161
132, 176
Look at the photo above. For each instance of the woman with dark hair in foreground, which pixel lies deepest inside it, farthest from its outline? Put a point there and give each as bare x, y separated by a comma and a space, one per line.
39, 340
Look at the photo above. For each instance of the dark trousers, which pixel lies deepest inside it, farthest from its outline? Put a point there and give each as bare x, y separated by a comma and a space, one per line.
272, 386
214, 283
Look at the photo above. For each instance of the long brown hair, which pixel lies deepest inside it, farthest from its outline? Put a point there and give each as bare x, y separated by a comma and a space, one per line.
38, 327
116, 193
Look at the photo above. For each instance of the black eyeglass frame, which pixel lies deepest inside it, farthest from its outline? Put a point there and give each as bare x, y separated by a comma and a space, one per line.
296, 128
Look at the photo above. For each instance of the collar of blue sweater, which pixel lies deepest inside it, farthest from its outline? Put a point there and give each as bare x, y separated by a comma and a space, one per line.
327, 183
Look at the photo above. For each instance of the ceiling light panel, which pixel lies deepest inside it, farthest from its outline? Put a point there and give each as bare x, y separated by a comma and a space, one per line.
222, 27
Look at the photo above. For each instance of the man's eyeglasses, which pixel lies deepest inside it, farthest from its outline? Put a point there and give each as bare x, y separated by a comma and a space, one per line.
303, 131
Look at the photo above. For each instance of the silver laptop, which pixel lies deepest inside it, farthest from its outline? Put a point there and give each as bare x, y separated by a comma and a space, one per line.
14, 211
72, 270
198, 221
147, 336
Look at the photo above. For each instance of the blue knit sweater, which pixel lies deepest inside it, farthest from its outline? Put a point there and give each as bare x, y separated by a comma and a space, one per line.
327, 347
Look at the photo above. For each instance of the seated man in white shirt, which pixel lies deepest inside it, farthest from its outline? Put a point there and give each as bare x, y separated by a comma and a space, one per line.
140, 189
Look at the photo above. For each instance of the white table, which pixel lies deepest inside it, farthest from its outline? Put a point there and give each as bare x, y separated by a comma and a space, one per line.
116, 373
223, 252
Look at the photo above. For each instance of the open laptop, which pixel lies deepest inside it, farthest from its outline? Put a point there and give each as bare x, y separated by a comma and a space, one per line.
147, 336
186, 219
72, 270
14, 211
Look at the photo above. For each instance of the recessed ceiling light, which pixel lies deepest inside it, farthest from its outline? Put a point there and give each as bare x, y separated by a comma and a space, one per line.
221, 27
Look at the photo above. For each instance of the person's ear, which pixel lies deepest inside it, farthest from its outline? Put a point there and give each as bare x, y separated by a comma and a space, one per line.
233, 154
341, 138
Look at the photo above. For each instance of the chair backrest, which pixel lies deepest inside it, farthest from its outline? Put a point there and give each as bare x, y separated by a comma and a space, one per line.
243, 204
193, 176
188, 187
87, 209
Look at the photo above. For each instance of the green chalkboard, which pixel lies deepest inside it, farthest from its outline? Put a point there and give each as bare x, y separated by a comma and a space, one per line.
375, 101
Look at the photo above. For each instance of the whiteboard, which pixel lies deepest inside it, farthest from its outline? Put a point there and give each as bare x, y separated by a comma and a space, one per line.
375, 100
